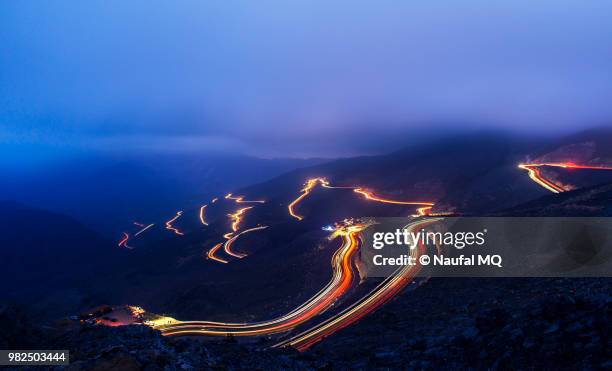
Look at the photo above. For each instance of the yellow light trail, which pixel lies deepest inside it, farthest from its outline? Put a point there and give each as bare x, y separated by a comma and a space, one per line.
241, 200
202, 220
237, 217
159, 320
310, 184
341, 281
211, 253
421, 211
227, 246
136, 311
373, 300
536, 175
169, 224
338, 286
313, 182
370, 196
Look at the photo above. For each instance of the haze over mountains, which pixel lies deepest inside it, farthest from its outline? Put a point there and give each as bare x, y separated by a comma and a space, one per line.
167, 273
107, 192
193, 185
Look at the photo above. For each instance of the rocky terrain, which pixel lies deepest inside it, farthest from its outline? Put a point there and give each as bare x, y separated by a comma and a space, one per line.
548, 324
443, 323
483, 324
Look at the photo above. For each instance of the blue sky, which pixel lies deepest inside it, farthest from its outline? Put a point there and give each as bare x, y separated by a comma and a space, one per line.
296, 78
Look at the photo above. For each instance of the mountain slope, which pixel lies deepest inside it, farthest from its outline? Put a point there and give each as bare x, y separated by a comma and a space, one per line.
590, 201
468, 174
106, 193
47, 258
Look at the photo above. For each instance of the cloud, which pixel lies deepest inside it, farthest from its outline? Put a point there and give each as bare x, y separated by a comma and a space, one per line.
295, 78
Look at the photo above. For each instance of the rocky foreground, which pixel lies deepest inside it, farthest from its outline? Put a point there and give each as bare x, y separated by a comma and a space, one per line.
456, 324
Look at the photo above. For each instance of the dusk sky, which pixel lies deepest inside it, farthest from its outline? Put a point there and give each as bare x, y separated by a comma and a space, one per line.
285, 78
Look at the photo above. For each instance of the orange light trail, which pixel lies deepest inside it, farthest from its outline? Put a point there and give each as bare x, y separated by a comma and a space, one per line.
370, 196
211, 253
174, 229
369, 303
308, 187
237, 217
241, 200
313, 182
422, 211
202, 215
342, 278
227, 246
574, 166
536, 175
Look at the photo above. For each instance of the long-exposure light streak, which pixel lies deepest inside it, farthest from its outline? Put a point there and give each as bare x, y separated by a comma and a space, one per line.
143, 229
172, 228
202, 220
343, 275
124, 241
231, 237
313, 182
241, 200
227, 246
125, 238
373, 300
237, 217
370, 196
421, 211
342, 278
211, 253
310, 184
536, 175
